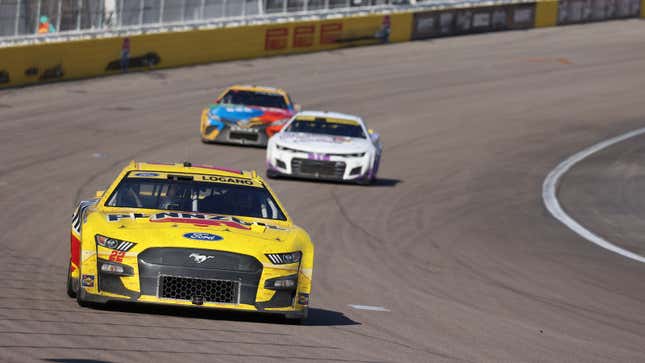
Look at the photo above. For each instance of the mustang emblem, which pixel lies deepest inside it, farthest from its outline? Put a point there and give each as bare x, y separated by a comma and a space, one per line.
199, 258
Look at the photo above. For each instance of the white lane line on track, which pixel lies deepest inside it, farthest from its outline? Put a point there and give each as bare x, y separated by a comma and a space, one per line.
368, 307
550, 198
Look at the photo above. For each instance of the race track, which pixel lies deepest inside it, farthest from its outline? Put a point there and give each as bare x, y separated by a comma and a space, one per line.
453, 241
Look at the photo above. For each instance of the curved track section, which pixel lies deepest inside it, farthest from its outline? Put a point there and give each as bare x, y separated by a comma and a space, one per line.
606, 191
453, 242
550, 197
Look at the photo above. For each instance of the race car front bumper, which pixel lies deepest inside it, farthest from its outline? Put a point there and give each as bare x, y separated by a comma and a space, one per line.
162, 276
252, 136
318, 166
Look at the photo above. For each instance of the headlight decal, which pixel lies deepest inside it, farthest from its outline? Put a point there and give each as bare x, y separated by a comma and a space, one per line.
284, 258
114, 244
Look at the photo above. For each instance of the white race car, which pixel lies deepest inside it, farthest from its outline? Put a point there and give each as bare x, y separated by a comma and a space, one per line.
325, 145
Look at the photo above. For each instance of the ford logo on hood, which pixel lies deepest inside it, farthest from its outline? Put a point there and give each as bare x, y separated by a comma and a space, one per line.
201, 236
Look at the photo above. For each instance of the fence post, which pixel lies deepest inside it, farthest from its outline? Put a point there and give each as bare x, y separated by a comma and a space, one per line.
40, 2
59, 14
101, 14
306, 5
17, 21
202, 8
326, 4
183, 10
244, 8
79, 8
284, 6
162, 5
140, 13
120, 12
260, 7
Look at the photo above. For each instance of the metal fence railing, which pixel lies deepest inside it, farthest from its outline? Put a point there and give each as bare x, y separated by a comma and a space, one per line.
19, 18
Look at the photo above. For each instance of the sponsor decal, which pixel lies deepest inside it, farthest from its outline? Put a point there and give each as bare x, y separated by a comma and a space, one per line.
314, 156
200, 236
117, 256
200, 220
197, 219
4, 76
117, 217
481, 20
307, 138
198, 258
226, 179
148, 60
276, 38
303, 36
330, 33
144, 175
55, 72
87, 280
303, 299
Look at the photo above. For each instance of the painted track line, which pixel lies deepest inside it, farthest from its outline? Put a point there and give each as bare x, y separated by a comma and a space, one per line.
550, 198
368, 307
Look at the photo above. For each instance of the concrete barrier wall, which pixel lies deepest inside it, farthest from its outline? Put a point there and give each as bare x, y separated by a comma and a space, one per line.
32, 64
22, 65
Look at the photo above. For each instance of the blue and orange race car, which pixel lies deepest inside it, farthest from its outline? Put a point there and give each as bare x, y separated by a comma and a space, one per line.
247, 115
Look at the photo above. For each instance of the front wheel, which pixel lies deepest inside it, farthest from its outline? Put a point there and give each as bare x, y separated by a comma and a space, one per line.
71, 291
297, 318
272, 174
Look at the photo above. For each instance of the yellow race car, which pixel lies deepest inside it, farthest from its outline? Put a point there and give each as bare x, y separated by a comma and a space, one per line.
190, 235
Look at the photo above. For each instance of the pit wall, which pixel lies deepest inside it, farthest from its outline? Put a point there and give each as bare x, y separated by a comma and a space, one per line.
33, 64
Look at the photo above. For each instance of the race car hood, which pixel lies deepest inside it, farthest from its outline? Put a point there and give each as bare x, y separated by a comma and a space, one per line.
236, 114
316, 143
177, 229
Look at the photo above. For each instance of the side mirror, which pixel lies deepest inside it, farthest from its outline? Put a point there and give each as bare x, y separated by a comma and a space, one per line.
99, 193
297, 107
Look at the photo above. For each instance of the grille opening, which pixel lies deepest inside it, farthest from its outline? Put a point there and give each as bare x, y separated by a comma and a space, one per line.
234, 135
194, 289
323, 168
355, 171
280, 164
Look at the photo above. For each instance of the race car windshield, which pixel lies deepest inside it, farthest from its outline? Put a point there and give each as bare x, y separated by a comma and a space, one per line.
324, 127
166, 192
249, 98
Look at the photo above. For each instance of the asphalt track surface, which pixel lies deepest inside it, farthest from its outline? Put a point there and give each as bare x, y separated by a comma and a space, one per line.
453, 240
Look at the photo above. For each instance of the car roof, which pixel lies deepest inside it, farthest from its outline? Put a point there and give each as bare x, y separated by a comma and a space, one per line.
325, 114
187, 167
254, 88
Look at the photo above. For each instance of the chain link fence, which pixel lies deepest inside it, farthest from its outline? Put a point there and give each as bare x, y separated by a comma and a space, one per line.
29, 17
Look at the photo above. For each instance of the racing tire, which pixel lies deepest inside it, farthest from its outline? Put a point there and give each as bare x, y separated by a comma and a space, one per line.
296, 319
366, 181
272, 174
71, 292
80, 300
